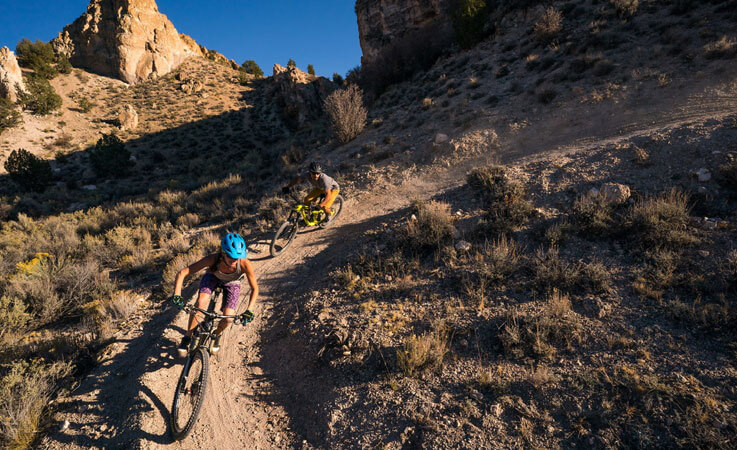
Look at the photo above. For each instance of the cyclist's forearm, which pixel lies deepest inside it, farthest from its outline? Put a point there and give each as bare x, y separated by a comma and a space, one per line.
252, 299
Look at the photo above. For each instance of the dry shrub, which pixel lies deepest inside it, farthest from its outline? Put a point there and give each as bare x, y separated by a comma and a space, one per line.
626, 8
551, 273
188, 220
593, 215
347, 114
549, 25
206, 244
425, 352
54, 287
13, 317
490, 268
728, 174
131, 248
172, 241
121, 305
274, 210
661, 222
500, 259
171, 198
432, 227
657, 274
725, 47
506, 206
538, 334
708, 316
732, 264
25, 390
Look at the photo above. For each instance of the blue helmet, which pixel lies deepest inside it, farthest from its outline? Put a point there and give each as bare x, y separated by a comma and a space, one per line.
234, 246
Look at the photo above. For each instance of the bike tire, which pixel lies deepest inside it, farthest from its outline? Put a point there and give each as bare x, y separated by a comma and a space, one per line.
287, 230
197, 397
337, 207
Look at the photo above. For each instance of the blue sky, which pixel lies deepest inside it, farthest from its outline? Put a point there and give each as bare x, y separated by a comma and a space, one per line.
318, 32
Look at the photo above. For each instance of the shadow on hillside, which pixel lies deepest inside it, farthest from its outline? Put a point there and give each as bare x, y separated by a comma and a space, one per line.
247, 141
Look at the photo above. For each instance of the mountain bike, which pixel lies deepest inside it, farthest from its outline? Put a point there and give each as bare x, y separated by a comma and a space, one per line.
303, 216
192, 384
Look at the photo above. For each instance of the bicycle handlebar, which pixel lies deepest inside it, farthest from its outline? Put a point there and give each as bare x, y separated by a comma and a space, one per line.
190, 309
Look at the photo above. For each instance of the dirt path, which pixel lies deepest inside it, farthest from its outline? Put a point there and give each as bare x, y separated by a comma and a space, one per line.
262, 389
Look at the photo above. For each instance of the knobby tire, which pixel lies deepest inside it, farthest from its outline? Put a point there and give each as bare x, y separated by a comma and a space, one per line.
337, 207
284, 228
201, 355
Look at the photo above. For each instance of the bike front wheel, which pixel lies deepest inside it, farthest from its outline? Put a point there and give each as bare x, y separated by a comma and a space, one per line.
336, 208
283, 237
190, 394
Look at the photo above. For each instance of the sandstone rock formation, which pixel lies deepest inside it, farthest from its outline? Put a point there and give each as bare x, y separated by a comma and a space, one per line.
388, 29
128, 118
299, 94
126, 39
11, 77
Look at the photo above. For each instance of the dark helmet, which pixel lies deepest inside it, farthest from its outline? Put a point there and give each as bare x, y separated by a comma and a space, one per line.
315, 167
234, 246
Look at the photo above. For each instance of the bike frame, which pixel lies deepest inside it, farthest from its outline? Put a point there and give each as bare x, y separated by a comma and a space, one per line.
306, 211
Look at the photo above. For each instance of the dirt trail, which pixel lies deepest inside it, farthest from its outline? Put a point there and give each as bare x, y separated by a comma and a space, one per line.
260, 387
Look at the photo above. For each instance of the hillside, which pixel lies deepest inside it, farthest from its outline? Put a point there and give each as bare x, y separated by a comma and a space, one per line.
537, 250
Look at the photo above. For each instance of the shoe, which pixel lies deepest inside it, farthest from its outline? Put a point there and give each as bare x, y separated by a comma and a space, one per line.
183, 347
215, 347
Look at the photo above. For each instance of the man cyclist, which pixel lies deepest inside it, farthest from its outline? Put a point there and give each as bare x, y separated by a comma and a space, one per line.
226, 269
321, 185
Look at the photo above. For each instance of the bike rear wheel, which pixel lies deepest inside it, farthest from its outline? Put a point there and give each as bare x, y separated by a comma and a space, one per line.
283, 237
336, 207
190, 394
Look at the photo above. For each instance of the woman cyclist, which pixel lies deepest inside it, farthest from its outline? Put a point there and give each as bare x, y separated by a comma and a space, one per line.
226, 269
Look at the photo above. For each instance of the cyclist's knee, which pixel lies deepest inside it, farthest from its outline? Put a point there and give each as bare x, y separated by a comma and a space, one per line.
202, 300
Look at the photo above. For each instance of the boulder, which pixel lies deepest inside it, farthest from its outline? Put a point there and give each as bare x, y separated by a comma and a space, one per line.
11, 78
126, 39
615, 193
299, 94
128, 118
703, 175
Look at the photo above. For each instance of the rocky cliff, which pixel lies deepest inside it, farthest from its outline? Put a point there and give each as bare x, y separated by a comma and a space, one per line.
299, 94
384, 25
126, 39
11, 78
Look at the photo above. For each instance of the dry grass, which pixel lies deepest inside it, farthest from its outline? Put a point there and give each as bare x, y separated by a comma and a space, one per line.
425, 352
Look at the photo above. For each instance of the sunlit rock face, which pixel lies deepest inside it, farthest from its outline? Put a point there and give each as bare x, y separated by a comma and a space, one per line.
11, 78
126, 39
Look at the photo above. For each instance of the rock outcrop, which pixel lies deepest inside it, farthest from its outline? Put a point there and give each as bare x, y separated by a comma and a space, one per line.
299, 94
11, 77
126, 39
389, 29
128, 118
